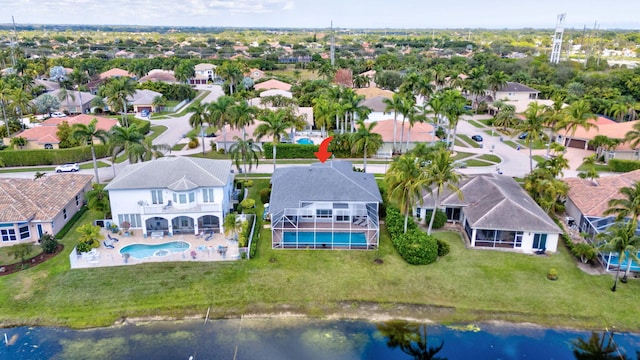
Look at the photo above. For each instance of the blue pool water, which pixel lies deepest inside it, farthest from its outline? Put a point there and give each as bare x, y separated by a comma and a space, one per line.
305, 141
324, 238
613, 263
141, 251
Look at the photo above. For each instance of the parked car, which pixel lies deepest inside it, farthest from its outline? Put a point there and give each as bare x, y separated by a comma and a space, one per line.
69, 167
58, 114
523, 135
144, 113
477, 138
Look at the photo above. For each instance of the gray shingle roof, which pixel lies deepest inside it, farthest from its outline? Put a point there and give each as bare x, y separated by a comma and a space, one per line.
331, 181
177, 173
375, 103
493, 201
517, 87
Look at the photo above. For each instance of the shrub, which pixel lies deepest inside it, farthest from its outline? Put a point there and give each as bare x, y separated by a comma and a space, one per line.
618, 165
290, 151
48, 243
144, 126
49, 157
193, 143
439, 221
265, 195
248, 183
248, 203
416, 247
443, 247
221, 151
72, 221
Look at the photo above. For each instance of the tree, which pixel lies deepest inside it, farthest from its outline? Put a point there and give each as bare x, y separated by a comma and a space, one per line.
497, 81
365, 140
159, 102
246, 151
532, 125
627, 206
230, 71
242, 115
117, 90
597, 348
220, 114
621, 239
273, 124
127, 139
198, 118
395, 104
440, 173
453, 106
90, 237
5, 94
66, 95
633, 136
553, 116
506, 117
184, 71
46, 104
406, 179
20, 103
85, 134
232, 225
21, 251
578, 115
98, 199
411, 338
18, 142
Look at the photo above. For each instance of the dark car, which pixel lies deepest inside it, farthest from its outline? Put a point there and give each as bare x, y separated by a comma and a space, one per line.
523, 135
477, 138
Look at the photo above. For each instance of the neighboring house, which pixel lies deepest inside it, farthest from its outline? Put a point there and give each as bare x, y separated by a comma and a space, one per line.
47, 85
115, 73
273, 84
173, 195
586, 203
515, 91
79, 102
160, 76
203, 74
496, 212
377, 106
256, 74
29, 208
44, 135
324, 206
143, 100
420, 133
276, 92
372, 91
607, 127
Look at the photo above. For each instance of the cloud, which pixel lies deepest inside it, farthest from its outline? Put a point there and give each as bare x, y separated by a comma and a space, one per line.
251, 6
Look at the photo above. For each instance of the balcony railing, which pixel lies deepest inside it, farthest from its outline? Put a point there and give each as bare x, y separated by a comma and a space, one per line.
181, 208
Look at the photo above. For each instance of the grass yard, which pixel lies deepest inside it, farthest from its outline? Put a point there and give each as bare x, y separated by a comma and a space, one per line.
491, 158
178, 147
89, 165
511, 143
538, 158
476, 162
462, 155
467, 140
476, 124
26, 168
465, 286
486, 122
289, 72
599, 167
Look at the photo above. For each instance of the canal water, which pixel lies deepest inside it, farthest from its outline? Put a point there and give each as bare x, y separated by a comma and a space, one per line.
301, 338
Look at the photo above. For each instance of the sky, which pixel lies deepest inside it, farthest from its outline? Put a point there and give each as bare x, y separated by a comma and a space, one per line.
345, 14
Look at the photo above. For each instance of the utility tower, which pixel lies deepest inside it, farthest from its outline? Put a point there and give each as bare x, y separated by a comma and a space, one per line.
557, 40
333, 47
14, 43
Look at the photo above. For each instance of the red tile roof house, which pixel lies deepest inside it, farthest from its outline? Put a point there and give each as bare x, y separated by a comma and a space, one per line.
44, 136
29, 208
273, 84
607, 127
588, 199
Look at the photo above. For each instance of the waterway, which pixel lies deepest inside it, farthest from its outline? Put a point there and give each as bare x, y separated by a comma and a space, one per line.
301, 338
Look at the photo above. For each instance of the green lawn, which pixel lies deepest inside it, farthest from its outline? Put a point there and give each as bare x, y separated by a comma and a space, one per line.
89, 165
511, 143
538, 158
23, 169
468, 140
462, 155
476, 162
465, 286
178, 147
486, 122
476, 124
599, 167
491, 158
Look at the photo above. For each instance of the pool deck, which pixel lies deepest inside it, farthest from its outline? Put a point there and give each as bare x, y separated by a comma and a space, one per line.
200, 250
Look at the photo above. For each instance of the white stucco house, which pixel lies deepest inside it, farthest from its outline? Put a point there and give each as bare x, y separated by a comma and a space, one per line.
173, 195
203, 73
496, 212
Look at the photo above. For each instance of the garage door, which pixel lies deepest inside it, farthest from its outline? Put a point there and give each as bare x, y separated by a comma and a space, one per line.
577, 143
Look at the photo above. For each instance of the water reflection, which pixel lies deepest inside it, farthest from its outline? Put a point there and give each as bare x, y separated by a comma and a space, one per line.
410, 338
600, 346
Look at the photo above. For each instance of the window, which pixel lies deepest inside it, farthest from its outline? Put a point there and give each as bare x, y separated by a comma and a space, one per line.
77, 200
156, 197
64, 214
344, 218
8, 234
24, 232
207, 195
133, 219
182, 198
192, 197
324, 213
48, 147
518, 239
540, 241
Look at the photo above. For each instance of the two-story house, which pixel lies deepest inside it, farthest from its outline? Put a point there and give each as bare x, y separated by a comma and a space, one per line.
203, 73
173, 195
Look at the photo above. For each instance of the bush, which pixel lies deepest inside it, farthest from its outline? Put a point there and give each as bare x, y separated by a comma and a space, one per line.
65, 229
221, 151
439, 221
443, 248
193, 143
618, 165
48, 243
265, 195
143, 126
415, 247
248, 183
290, 151
248, 203
51, 157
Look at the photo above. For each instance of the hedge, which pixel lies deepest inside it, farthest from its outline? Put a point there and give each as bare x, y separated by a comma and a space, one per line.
143, 125
415, 246
65, 229
290, 151
618, 165
439, 221
51, 157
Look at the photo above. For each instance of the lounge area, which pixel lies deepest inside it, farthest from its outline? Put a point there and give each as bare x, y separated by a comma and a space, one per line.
139, 249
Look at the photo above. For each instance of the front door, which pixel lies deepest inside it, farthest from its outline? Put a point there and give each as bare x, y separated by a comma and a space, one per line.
540, 241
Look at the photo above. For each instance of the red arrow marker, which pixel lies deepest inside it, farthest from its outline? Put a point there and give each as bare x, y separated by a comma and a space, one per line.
323, 152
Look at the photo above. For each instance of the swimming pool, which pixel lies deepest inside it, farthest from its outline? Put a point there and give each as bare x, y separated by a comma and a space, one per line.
323, 239
613, 263
141, 251
305, 141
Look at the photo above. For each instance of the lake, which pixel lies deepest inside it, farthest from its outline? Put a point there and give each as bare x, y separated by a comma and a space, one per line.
302, 338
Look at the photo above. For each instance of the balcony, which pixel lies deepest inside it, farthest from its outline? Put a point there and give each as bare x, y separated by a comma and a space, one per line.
181, 209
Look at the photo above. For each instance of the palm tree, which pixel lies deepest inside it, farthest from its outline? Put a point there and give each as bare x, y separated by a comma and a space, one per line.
85, 134
415, 116
246, 151
408, 105
323, 113
406, 179
453, 106
553, 116
532, 125
230, 71
365, 140
621, 238
159, 102
243, 115
478, 88
220, 114
232, 225
79, 78
128, 139
632, 136
626, 206
20, 103
150, 151
63, 94
440, 173
578, 115
117, 91
275, 124
497, 81
98, 199
395, 104
506, 117
198, 118
5, 94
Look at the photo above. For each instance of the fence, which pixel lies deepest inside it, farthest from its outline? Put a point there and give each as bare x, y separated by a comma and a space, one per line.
247, 250
177, 107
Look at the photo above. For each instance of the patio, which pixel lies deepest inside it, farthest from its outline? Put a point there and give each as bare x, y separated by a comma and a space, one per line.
199, 250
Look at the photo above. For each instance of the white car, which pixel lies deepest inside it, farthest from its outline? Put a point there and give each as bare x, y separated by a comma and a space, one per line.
58, 114
70, 167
